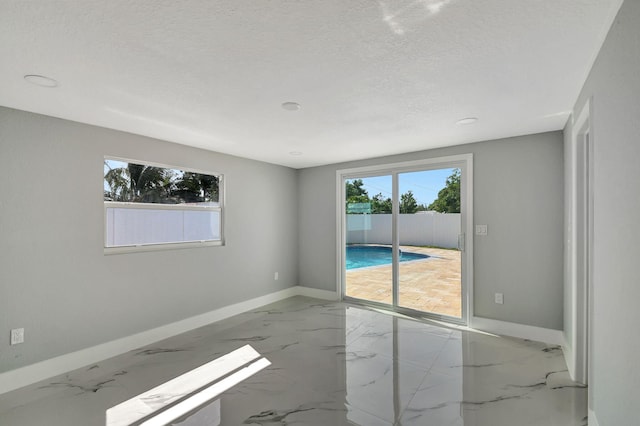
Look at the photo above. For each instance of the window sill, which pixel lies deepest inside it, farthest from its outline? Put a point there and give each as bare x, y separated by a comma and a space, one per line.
161, 247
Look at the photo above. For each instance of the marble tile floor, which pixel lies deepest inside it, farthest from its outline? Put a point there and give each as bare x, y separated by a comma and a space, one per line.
332, 363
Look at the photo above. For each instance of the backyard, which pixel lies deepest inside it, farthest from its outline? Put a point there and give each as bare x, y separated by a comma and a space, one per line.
430, 285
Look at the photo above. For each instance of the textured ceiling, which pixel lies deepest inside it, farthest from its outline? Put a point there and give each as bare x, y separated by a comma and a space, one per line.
373, 77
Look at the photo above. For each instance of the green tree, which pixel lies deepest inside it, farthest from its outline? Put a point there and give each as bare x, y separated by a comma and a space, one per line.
118, 181
354, 189
379, 204
408, 203
448, 200
138, 183
196, 188
355, 193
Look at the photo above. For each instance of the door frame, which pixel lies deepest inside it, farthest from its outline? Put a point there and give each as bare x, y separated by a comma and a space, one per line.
462, 161
581, 247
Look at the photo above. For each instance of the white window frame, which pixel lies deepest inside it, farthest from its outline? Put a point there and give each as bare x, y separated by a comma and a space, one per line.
174, 207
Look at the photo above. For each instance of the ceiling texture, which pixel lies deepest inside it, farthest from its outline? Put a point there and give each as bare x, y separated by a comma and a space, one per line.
372, 78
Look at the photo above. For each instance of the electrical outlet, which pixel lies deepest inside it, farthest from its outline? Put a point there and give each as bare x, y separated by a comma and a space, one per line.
17, 336
275, 276
481, 229
499, 298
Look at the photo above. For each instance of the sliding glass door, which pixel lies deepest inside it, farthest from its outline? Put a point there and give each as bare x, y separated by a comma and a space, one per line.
403, 239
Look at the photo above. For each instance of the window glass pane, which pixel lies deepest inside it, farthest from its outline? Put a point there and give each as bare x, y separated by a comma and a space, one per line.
127, 226
201, 225
369, 270
141, 183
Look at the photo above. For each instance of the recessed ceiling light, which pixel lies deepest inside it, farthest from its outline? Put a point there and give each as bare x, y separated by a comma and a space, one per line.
291, 106
468, 120
41, 80
295, 153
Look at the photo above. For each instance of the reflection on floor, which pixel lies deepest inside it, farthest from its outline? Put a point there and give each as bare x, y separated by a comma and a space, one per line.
332, 364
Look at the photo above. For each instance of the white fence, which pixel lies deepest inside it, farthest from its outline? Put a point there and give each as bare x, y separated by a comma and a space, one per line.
422, 229
131, 226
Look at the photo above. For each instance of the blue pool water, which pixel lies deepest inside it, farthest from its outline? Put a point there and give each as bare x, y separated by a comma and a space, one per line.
364, 256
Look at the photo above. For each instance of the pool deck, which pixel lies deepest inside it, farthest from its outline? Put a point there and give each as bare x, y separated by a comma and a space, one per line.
431, 284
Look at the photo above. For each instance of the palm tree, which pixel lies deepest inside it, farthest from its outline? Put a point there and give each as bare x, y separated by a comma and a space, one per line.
118, 181
196, 188
138, 183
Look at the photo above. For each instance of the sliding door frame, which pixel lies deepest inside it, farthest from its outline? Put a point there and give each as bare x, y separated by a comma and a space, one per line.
465, 163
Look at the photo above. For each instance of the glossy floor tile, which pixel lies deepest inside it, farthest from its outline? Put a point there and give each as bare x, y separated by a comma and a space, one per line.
331, 364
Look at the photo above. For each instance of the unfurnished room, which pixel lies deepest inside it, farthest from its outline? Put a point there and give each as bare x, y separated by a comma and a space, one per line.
411, 212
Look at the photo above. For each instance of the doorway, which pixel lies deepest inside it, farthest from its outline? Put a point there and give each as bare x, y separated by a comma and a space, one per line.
402, 237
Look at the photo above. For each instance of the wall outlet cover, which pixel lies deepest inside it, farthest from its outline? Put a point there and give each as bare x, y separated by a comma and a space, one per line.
17, 336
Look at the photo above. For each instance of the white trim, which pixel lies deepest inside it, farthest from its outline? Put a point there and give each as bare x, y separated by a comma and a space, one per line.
316, 293
581, 225
569, 356
108, 251
405, 166
341, 238
593, 420
395, 240
158, 206
539, 334
468, 221
33, 373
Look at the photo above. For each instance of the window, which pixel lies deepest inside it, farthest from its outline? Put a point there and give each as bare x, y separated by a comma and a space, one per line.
149, 206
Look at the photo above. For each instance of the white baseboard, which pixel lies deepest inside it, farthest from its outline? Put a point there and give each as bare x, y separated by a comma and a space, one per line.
593, 420
316, 293
522, 331
33, 373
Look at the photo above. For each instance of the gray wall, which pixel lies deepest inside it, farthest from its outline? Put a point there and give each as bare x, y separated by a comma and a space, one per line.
614, 86
55, 280
518, 193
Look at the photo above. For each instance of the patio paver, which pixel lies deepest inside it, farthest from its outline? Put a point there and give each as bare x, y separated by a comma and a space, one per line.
432, 285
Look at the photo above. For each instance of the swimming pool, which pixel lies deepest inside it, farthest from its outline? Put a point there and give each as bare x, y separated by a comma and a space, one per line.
365, 256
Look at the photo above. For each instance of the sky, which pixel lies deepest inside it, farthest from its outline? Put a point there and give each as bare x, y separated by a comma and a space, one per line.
425, 185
